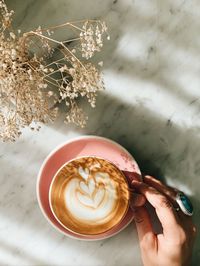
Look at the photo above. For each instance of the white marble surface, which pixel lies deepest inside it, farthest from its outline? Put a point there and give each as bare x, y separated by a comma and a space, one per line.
151, 106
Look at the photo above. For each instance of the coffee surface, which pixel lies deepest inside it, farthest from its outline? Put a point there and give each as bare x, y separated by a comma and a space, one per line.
89, 195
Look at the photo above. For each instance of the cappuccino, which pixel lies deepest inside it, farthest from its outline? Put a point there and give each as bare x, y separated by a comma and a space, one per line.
89, 195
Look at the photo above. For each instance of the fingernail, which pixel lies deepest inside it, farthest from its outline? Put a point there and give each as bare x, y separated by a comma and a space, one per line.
136, 183
148, 177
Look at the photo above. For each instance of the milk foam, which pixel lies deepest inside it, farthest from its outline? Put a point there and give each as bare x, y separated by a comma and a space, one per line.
89, 195
92, 199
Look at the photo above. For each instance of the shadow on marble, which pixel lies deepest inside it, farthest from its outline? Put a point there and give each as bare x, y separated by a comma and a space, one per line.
172, 44
17, 253
19, 207
156, 63
160, 147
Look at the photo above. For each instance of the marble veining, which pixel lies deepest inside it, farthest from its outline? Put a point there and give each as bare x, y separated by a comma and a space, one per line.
151, 106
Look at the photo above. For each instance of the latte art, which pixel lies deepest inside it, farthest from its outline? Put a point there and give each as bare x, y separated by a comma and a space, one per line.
89, 195
91, 200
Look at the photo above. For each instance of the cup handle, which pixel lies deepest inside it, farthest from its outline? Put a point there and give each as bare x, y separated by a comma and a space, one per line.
132, 176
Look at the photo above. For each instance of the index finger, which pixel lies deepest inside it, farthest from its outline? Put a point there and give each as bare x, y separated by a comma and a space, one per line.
163, 207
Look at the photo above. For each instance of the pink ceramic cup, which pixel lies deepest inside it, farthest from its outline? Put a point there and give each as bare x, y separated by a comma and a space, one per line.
79, 147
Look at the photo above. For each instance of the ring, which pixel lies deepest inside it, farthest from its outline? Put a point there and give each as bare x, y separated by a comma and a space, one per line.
184, 203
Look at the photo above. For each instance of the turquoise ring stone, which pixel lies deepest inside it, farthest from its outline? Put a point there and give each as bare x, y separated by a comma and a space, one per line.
184, 203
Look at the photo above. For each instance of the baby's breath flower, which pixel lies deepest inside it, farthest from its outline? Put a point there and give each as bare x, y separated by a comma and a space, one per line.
100, 63
31, 87
12, 35
91, 38
76, 115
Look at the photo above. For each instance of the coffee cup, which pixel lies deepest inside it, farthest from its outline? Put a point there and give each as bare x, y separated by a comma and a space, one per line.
89, 195
84, 146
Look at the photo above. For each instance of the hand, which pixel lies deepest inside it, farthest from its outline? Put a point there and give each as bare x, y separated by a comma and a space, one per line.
174, 246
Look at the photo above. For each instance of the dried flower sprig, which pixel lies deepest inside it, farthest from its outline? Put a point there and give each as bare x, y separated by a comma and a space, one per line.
33, 82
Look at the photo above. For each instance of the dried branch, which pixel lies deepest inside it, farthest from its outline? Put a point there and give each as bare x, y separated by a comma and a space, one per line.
33, 81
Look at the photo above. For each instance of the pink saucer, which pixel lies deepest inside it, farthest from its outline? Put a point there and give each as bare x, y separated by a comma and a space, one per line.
77, 147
